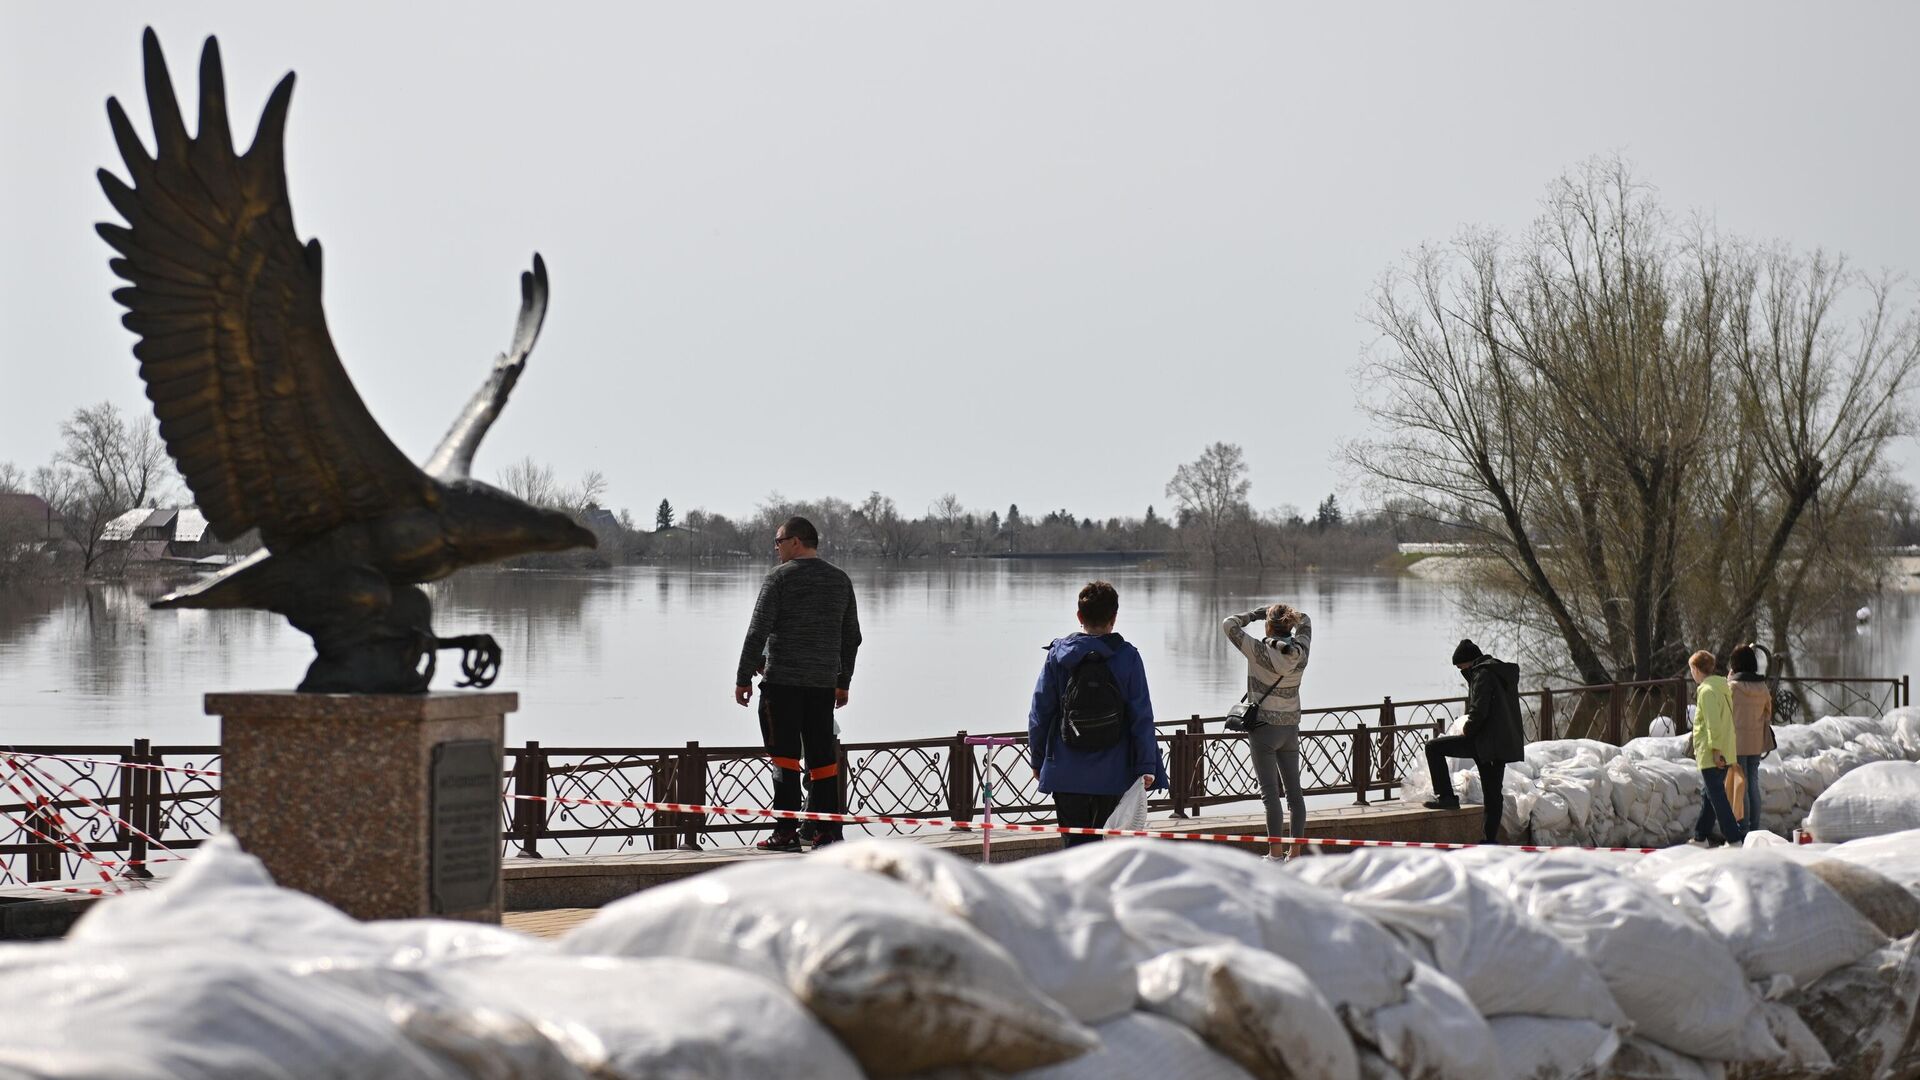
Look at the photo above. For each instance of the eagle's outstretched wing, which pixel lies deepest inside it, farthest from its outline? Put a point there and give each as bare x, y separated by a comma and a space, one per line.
453, 458
252, 400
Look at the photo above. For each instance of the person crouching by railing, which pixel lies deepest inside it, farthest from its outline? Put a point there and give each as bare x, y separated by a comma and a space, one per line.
1275, 666
1493, 735
1090, 730
1714, 747
1752, 722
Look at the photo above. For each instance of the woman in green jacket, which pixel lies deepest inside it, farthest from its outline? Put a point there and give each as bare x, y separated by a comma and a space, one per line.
1713, 748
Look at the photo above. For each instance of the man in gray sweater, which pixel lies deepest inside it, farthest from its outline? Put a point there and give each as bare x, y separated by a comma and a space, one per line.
806, 631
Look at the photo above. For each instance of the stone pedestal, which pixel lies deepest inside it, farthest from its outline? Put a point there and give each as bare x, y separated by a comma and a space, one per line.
383, 805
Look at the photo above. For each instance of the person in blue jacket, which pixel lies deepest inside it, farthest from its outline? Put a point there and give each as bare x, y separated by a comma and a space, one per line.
1086, 785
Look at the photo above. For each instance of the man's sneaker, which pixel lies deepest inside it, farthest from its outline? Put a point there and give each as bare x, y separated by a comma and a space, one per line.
1450, 803
779, 842
809, 832
1698, 842
824, 839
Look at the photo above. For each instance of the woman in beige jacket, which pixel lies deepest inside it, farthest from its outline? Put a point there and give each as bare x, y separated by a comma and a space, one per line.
1752, 722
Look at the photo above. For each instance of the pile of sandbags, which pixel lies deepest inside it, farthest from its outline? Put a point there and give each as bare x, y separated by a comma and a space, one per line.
1123, 960
1647, 793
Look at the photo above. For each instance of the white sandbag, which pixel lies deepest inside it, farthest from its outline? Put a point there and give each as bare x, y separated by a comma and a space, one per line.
1167, 896
1864, 1014
1551, 1048
1436, 1032
1805, 1056
1673, 977
1254, 1007
1505, 960
1643, 1059
622, 1019
1873, 800
1776, 916
1137, 1046
430, 942
77, 1010
1893, 855
905, 985
1076, 957
223, 897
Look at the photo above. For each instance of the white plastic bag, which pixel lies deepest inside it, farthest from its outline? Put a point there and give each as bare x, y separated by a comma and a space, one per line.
1254, 1007
906, 986
1142, 1046
1131, 814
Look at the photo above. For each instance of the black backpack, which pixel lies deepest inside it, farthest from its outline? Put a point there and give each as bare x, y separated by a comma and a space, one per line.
1093, 713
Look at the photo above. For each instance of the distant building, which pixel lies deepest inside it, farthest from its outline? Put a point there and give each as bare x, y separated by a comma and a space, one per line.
599, 517
161, 534
28, 517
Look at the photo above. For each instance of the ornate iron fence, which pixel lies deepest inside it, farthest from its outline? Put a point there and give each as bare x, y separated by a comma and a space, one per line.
133, 806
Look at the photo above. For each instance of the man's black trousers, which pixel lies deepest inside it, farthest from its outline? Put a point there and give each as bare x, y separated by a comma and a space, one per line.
797, 723
1493, 775
1075, 811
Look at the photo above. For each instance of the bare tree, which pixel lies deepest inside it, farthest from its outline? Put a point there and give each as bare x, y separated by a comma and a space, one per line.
12, 479
947, 510
1644, 426
1212, 491
124, 462
531, 481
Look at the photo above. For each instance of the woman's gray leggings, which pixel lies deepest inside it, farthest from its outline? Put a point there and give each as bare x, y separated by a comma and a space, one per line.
1276, 761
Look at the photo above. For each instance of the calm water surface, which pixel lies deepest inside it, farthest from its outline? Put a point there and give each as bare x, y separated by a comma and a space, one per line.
645, 655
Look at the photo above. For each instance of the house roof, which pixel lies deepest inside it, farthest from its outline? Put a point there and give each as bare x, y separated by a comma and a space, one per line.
19, 504
190, 527
123, 527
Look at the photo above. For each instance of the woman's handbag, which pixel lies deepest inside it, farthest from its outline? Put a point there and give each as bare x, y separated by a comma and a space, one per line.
1245, 715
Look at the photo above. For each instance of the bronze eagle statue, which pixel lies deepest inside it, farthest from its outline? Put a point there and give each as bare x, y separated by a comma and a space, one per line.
266, 427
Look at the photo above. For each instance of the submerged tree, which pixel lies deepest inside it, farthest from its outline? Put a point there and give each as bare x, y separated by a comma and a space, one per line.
1212, 493
1660, 433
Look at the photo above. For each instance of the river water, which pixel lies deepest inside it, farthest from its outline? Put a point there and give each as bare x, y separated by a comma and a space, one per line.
644, 655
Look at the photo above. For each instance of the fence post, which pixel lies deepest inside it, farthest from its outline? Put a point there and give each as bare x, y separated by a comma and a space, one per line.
691, 787
1389, 742
1680, 696
1180, 771
530, 779
138, 800
1196, 772
43, 856
1543, 721
961, 777
1613, 713
1906, 690
666, 784
1362, 764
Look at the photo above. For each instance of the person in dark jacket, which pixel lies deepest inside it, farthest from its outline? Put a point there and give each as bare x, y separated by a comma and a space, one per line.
1086, 785
803, 639
1493, 736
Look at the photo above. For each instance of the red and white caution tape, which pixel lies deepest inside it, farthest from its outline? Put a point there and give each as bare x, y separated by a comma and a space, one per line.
182, 769
1009, 826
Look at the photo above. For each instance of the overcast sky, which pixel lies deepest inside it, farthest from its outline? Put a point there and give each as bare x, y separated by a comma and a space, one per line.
1023, 252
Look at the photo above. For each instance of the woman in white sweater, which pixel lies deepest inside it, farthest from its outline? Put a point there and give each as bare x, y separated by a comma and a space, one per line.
1275, 665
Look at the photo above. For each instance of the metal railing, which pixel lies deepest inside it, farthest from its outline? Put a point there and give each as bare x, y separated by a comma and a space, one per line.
109, 806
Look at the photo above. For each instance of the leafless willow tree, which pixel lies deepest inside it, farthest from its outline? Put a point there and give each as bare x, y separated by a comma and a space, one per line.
106, 465
1212, 494
1665, 437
